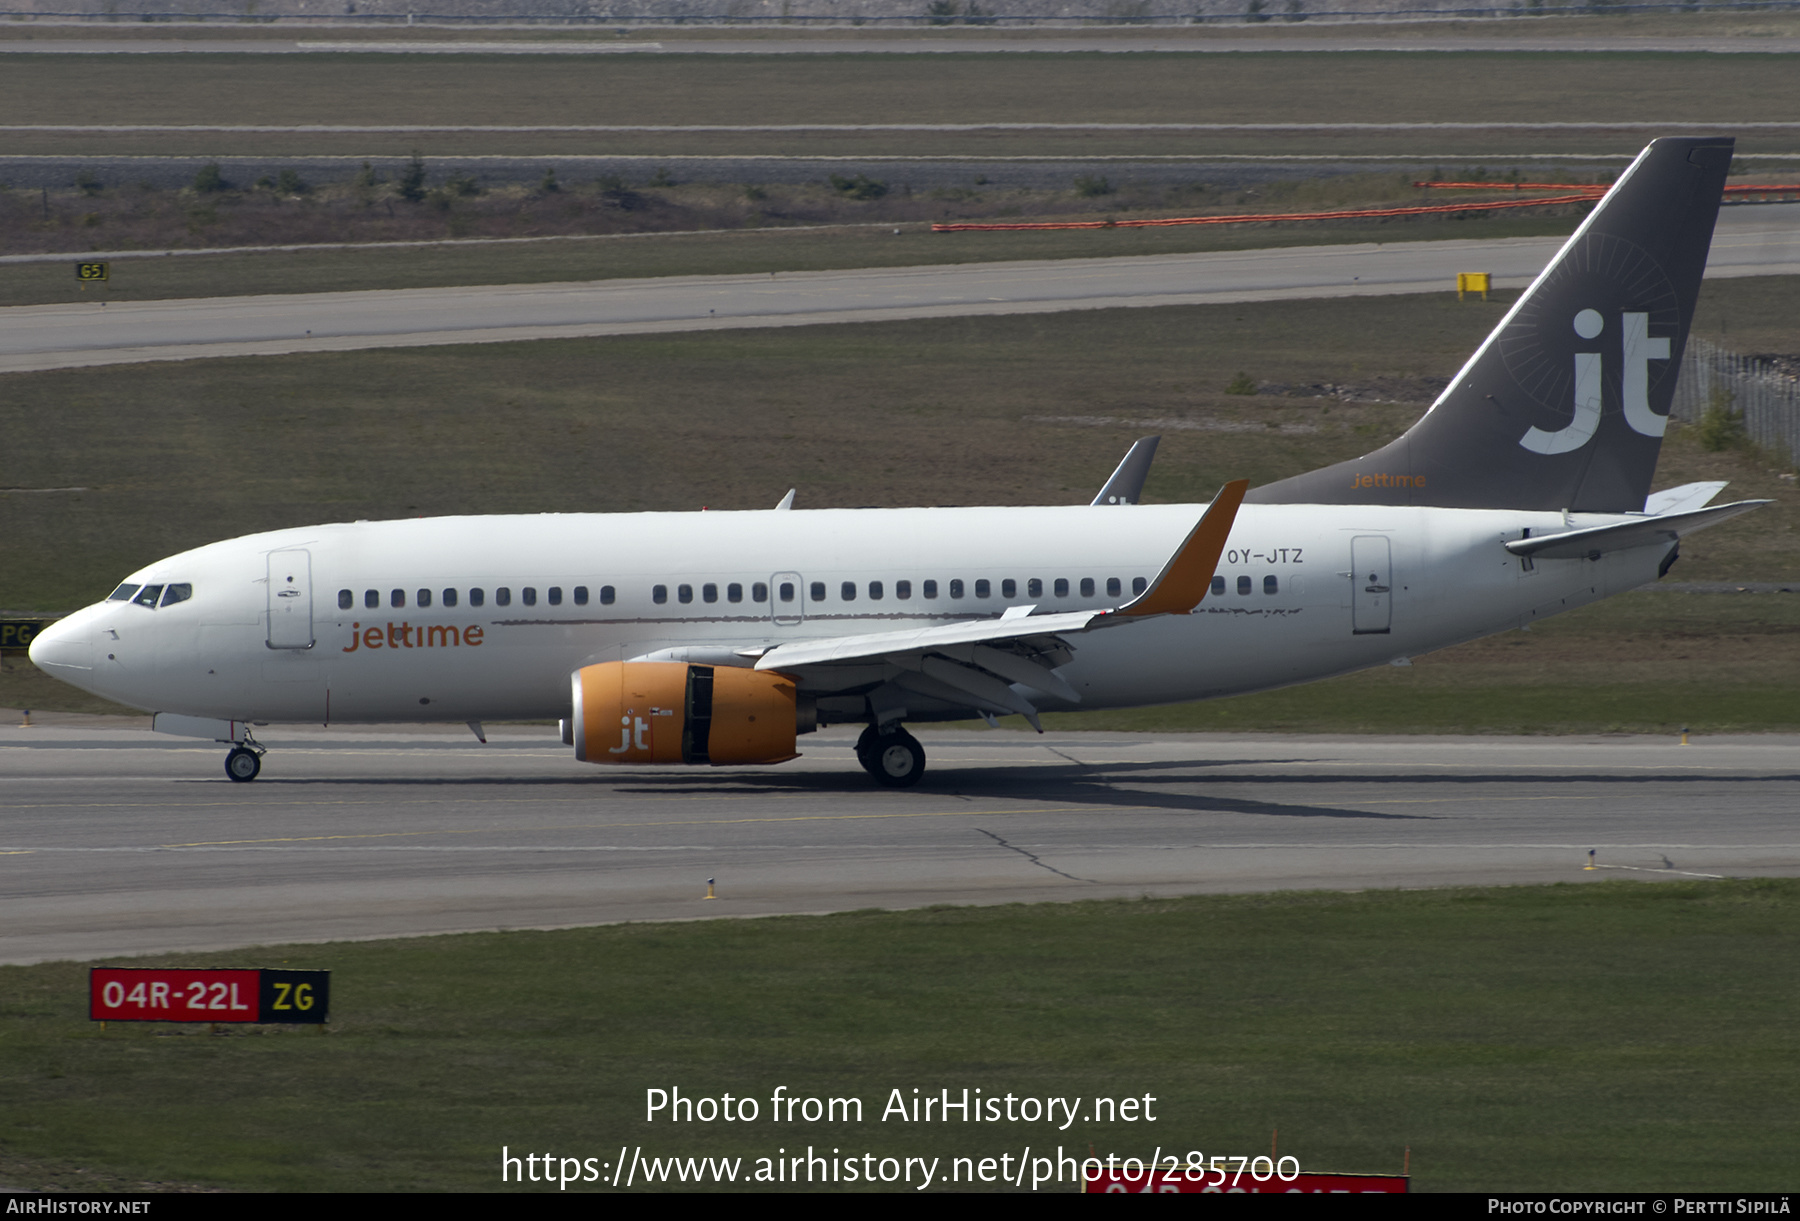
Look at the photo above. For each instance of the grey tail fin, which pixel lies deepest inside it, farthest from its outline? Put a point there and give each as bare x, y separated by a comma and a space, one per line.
1564, 405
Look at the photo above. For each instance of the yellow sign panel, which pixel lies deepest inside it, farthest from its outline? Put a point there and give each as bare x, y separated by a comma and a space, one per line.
1472, 282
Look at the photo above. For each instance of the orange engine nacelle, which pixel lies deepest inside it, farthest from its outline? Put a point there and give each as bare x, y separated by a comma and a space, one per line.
672, 712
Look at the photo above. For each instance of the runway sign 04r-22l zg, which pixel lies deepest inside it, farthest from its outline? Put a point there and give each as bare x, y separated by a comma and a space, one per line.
158, 994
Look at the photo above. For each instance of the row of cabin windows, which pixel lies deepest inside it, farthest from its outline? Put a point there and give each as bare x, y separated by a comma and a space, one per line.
528, 596
785, 591
1271, 585
876, 591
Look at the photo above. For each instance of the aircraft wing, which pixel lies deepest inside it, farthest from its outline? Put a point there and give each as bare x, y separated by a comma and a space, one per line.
1643, 532
976, 662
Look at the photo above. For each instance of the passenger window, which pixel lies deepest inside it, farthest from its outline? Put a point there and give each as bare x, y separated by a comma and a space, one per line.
1062, 587
424, 598
606, 595
397, 598
346, 599
875, 591
1271, 585
709, 593
372, 599
148, 595
1243, 586
1218, 586
734, 592
684, 594
903, 590
931, 589
503, 596
528, 596
1139, 585
956, 588
1113, 588
123, 593
554, 594
476, 597
449, 597
1034, 588
181, 593
1087, 587
580, 595
659, 594
1009, 588
848, 591
759, 592
787, 591
981, 588
818, 591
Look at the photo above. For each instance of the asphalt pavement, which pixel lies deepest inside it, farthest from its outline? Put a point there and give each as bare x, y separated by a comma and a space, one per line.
1750, 241
116, 841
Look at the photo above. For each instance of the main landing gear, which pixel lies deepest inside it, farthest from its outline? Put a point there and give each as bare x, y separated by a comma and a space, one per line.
244, 763
894, 757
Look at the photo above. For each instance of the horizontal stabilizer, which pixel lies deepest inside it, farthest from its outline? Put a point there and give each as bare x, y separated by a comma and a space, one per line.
1621, 536
1682, 499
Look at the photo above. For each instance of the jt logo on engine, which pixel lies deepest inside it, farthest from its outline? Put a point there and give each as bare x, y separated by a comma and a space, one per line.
1638, 349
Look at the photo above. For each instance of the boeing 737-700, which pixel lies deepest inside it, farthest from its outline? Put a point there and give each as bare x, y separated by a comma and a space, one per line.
723, 637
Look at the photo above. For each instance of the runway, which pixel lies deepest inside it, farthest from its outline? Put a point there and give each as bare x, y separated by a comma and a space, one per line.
1048, 43
1749, 241
115, 841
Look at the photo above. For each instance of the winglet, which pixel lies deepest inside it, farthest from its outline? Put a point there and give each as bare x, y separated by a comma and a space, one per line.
1183, 581
787, 502
1126, 487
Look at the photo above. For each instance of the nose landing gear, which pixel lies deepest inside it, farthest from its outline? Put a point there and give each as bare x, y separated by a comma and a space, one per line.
894, 757
244, 763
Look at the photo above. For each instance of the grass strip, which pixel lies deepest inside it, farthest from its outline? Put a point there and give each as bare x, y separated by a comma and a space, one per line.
1075, 87
1612, 1036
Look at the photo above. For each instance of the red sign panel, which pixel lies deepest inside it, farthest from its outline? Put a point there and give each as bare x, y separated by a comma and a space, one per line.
1131, 1179
163, 994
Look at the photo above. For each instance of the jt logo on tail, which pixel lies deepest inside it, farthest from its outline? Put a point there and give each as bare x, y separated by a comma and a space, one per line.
1639, 349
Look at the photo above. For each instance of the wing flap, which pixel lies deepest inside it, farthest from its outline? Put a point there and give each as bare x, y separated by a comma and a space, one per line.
842, 649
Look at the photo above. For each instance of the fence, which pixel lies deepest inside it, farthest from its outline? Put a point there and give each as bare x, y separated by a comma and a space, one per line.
1767, 398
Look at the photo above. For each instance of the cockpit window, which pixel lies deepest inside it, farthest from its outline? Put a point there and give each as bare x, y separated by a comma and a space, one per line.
148, 595
176, 593
123, 593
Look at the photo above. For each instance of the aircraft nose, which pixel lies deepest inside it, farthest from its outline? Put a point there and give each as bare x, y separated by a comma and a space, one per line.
67, 644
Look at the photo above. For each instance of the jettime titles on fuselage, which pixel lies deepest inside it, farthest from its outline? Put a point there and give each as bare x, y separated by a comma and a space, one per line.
406, 636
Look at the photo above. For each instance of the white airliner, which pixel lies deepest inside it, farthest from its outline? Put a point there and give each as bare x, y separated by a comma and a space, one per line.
720, 638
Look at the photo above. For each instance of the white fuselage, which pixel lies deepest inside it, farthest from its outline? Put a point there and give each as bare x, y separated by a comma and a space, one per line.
237, 649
